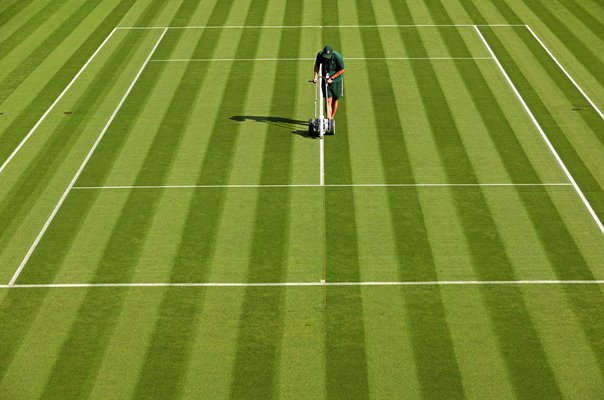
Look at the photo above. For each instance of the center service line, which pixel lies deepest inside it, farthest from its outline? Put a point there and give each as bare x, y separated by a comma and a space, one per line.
542, 132
79, 172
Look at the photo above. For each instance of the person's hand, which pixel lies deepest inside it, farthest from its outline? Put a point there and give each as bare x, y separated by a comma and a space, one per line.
329, 80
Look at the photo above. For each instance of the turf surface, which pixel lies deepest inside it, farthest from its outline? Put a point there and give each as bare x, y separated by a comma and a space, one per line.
164, 232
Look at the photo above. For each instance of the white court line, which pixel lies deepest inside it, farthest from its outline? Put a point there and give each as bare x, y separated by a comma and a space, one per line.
543, 135
320, 184
321, 162
313, 26
43, 117
312, 59
77, 175
301, 284
565, 72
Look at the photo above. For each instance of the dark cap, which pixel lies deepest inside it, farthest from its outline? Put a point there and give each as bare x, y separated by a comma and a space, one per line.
327, 52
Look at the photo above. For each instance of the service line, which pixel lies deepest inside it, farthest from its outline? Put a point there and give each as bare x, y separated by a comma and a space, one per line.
298, 284
369, 185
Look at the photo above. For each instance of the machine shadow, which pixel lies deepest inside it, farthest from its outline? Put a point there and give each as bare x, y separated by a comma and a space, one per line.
295, 126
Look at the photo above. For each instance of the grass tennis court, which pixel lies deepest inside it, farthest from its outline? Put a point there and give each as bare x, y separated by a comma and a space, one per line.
168, 228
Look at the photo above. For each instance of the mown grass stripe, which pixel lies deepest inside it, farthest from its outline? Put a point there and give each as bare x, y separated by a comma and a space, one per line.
525, 358
37, 55
561, 249
566, 86
346, 361
583, 175
28, 27
261, 325
583, 53
17, 314
592, 23
12, 10
167, 365
581, 172
23, 122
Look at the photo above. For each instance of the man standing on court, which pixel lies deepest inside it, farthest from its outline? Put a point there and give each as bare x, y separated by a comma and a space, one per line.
333, 68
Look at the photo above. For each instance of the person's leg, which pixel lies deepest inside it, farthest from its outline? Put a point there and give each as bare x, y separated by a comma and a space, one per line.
334, 107
337, 91
329, 108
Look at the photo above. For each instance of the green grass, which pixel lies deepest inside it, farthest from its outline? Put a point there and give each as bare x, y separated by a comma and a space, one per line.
235, 198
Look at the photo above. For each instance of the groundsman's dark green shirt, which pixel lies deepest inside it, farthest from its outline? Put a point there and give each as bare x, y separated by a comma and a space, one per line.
331, 66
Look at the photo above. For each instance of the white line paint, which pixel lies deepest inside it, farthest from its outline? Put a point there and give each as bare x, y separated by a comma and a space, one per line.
314, 26
299, 284
565, 72
52, 106
315, 185
312, 59
79, 171
321, 161
543, 135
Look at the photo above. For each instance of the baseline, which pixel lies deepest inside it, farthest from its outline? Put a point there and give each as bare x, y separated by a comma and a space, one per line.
542, 132
300, 284
79, 171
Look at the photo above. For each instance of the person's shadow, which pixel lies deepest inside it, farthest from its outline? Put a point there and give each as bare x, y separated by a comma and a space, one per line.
295, 126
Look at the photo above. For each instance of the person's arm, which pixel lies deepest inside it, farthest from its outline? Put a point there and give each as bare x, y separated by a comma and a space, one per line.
340, 67
316, 73
334, 76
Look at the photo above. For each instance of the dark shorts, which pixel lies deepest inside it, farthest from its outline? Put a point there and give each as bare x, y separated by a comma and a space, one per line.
336, 89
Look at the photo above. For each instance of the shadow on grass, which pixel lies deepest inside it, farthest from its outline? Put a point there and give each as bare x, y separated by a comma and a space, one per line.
295, 126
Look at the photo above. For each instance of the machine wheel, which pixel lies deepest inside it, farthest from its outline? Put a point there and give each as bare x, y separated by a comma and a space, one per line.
331, 127
311, 128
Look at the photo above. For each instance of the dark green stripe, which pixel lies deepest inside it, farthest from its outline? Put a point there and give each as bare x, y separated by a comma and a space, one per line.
592, 23
74, 372
12, 10
257, 361
28, 28
167, 365
18, 310
21, 71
